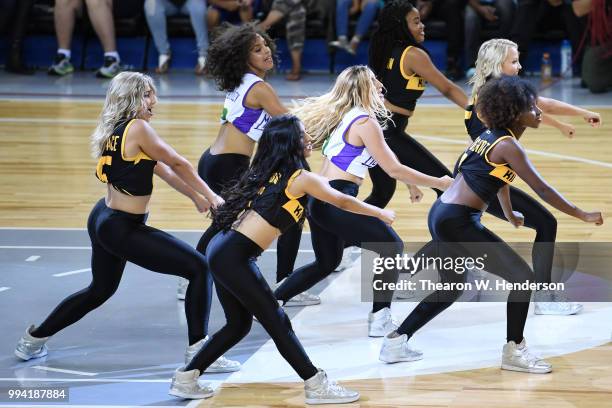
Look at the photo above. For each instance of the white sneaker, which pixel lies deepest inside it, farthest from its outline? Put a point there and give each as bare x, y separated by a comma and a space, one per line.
185, 385
30, 347
303, 299
181, 289
381, 323
397, 349
347, 260
516, 357
200, 67
320, 390
163, 63
549, 302
221, 365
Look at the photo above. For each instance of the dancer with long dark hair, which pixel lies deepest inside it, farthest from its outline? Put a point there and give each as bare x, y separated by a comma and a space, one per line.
268, 199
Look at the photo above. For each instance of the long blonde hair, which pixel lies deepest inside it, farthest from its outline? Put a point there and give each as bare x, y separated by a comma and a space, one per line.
124, 100
491, 56
354, 87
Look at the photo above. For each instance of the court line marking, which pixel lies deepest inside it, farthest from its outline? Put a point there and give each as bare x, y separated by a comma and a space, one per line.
89, 380
3, 288
61, 370
88, 247
531, 151
59, 275
60, 121
33, 258
85, 229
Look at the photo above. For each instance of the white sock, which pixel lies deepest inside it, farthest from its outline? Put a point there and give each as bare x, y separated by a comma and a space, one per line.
64, 51
113, 54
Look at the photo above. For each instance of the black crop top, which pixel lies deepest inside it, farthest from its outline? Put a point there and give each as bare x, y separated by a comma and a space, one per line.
276, 205
484, 177
128, 175
402, 90
473, 124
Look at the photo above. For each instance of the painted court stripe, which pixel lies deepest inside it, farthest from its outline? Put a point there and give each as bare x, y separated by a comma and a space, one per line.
86, 380
59, 275
61, 370
59, 121
531, 151
32, 258
86, 247
3, 288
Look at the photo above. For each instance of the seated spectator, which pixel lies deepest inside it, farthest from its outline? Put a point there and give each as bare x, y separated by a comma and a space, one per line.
597, 60
101, 15
294, 13
479, 12
347, 8
532, 15
231, 11
156, 12
14, 18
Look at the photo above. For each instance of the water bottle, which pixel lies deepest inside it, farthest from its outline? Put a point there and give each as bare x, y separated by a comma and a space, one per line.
546, 69
566, 59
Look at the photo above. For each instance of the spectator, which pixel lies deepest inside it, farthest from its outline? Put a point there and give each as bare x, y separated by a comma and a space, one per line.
597, 60
16, 12
479, 12
232, 11
101, 15
156, 12
294, 13
531, 12
346, 8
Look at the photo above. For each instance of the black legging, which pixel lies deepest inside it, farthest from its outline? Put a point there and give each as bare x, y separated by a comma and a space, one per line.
330, 228
458, 223
243, 292
118, 237
220, 171
410, 153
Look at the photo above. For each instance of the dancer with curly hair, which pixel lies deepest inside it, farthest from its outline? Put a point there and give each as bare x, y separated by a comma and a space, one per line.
508, 106
498, 57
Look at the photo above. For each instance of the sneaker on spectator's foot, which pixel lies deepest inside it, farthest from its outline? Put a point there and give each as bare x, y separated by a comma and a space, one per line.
61, 65
110, 68
163, 63
181, 289
381, 323
549, 302
321, 390
30, 347
516, 357
200, 68
341, 43
220, 365
185, 385
397, 349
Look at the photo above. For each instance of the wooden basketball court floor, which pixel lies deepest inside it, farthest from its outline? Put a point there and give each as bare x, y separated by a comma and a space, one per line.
47, 182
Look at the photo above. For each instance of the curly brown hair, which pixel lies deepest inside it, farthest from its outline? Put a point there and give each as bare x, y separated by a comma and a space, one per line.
502, 100
228, 54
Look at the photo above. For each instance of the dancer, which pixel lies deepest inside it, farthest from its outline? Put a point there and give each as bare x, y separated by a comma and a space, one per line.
402, 64
508, 106
498, 57
129, 152
238, 60
344, 122
268, 198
